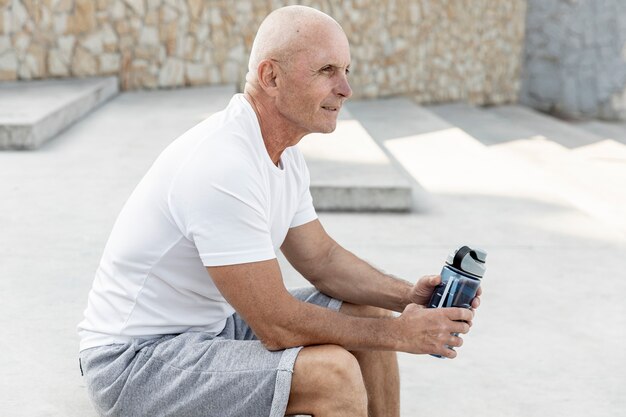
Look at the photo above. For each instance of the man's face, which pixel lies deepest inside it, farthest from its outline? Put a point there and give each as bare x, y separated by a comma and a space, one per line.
315, 85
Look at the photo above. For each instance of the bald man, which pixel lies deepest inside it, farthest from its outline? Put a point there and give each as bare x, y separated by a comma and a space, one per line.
188, 314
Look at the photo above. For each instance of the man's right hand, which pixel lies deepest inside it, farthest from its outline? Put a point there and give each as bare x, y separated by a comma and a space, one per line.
430, 330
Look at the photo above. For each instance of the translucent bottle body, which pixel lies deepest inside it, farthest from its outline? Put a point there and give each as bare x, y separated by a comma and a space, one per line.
456, 289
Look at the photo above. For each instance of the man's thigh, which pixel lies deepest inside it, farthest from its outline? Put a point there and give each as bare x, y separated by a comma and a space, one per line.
194, 374
189, 375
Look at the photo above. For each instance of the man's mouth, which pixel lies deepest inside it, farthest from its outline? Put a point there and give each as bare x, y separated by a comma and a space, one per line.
330, 108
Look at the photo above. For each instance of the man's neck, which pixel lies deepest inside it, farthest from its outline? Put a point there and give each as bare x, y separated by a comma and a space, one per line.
277, 134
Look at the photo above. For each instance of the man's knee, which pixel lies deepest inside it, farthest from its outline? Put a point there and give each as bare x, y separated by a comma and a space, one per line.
328, 379
343, 369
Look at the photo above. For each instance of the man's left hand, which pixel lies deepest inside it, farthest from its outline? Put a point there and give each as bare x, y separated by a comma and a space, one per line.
423, 290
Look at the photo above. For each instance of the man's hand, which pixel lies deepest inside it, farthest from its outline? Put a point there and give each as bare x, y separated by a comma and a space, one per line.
423, 290
430, 330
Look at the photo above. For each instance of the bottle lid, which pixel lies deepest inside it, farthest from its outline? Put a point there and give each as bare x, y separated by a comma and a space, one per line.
468, 260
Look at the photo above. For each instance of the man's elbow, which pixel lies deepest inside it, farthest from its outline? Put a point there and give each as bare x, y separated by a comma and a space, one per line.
319, 269
276, 338
274, 343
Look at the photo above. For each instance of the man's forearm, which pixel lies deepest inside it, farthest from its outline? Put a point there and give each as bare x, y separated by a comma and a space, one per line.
347, 277
308, 324
418, 330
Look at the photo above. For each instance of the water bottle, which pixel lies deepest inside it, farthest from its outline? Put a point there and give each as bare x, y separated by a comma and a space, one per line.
460, 279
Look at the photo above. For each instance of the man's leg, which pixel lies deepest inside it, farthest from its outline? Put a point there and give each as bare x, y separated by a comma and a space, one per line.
379, 369
327, 382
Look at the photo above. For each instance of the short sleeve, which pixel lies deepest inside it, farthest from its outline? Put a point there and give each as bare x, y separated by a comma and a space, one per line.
222, 210
306, 211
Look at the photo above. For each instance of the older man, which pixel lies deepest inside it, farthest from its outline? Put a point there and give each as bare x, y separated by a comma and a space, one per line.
188, 314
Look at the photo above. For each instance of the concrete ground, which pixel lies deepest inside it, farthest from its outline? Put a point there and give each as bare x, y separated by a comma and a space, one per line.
548, 339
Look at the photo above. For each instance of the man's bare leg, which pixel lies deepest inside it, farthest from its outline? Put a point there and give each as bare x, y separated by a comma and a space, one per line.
379, 369
327, 382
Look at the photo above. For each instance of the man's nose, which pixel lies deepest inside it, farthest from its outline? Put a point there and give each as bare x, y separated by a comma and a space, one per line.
343, 88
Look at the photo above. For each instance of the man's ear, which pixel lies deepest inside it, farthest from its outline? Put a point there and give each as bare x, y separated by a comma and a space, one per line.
267, 72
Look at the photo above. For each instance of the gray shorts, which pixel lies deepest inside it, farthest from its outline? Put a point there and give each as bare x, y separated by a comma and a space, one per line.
195, 374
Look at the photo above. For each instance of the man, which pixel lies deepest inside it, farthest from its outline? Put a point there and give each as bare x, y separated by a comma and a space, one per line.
189, 316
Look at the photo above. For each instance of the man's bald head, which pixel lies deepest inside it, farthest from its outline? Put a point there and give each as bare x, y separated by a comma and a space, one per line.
285, 32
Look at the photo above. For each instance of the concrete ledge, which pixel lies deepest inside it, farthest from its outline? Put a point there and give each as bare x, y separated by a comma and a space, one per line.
349, 171
482, 124
32, 112
581, 162
558, 131
388, 199
606, 130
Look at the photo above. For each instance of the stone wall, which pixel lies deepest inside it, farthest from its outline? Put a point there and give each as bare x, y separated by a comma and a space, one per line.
437, 50
575, 58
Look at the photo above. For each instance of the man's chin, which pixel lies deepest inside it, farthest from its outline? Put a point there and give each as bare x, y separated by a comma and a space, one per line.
328, 128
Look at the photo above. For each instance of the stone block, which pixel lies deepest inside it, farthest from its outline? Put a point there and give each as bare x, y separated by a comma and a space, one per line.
20, 42
172, 74
83, 63
57, 64
62, 5
168, 14
152, 17
66, 46
109, 37
195, 8
93, 43
190, 48
36, 60
110, 63
5, 44
137, 6
196, 74
19, 15
33, 112
149, 36
117, 10
59, 23
8, 62
84, 18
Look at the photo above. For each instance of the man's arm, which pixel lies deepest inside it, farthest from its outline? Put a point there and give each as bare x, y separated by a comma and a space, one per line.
257, 292
340, 274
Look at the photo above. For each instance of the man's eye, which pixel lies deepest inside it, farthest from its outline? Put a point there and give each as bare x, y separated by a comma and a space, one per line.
347, 71
327, 69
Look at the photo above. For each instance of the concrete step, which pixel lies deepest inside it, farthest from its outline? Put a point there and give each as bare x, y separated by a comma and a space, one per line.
349, 171
440, 157
581, 166
32, 112
608, 130
520, 158
389, 119
487, 127
539, 124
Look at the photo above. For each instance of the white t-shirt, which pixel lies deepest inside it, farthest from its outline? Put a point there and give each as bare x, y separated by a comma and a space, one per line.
213, 197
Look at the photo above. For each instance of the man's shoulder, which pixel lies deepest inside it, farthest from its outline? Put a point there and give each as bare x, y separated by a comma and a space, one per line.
224, 139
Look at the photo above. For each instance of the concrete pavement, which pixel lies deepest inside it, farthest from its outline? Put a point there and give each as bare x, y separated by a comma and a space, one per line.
548, 339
